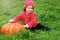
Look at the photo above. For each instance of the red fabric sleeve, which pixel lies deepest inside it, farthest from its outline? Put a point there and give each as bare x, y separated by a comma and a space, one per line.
33, 21
18, 17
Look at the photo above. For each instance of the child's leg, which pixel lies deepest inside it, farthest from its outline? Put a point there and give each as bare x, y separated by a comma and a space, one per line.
39, 26
33, 29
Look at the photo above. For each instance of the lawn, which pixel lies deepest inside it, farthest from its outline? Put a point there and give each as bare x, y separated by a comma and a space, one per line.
48, 14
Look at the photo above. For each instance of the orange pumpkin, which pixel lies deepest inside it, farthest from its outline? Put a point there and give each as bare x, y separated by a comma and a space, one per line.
12, 28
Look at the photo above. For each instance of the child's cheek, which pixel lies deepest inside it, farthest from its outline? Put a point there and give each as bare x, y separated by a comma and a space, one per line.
31, 11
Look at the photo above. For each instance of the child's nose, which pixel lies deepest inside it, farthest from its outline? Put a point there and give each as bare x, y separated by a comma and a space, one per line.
30, 9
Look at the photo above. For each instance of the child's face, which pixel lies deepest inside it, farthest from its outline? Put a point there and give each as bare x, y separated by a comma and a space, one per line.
29, 9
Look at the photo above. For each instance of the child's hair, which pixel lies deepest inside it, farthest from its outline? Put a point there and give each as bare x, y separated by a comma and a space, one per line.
24, 9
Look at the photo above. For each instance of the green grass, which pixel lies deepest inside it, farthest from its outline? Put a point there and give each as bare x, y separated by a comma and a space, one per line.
48, 14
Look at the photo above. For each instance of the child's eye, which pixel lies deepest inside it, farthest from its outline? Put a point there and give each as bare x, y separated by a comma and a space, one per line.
30, 8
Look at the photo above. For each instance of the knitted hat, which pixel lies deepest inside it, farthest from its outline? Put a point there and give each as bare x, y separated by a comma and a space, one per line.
28, 2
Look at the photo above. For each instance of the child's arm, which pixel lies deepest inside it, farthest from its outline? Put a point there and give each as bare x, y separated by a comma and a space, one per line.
15, 19
33, 21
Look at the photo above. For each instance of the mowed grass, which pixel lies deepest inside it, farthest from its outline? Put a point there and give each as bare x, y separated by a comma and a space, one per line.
48, 14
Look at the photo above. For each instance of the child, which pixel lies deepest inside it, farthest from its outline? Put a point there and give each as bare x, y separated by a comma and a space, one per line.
28, 17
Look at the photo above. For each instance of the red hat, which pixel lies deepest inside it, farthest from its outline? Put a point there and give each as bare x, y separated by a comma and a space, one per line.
28, 2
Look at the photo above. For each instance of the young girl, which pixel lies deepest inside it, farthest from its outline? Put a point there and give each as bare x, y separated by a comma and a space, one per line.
28, 17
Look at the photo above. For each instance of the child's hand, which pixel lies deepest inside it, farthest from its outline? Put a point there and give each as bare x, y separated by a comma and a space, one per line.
26, 26
11, 20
